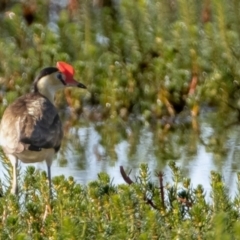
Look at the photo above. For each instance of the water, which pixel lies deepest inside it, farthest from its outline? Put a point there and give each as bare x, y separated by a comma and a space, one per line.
106, 146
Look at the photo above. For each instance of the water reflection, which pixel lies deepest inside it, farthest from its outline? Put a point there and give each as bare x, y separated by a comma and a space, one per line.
105, 146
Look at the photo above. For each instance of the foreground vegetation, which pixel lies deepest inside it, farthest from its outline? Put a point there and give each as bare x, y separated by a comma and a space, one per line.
141, 209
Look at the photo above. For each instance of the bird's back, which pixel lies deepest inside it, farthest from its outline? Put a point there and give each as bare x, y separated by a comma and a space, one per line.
30, 123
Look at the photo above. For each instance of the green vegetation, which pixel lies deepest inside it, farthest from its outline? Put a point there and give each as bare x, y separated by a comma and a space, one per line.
145, 63
149, 58
101, 210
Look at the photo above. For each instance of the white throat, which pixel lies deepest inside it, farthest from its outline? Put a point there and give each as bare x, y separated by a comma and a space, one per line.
48, 86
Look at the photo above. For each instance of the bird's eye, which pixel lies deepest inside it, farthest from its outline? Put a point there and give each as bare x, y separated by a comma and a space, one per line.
61, 77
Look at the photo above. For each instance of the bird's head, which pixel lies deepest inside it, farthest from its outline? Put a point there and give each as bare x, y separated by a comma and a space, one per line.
52, 79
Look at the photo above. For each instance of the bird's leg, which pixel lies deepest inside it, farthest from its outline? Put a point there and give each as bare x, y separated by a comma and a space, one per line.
49, 179
48, 208
14, 162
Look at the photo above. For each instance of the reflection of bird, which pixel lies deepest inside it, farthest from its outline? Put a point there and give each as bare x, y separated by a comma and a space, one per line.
31, 130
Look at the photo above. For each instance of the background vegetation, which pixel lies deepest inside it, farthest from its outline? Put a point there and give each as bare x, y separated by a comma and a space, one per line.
145, 58
149, 62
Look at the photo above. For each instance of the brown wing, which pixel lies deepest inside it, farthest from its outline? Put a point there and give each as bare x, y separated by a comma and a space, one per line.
31, 119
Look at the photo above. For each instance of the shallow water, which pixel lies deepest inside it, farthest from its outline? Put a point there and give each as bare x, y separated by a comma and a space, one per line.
106, 146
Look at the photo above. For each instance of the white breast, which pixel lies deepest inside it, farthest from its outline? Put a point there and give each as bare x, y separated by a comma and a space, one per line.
36, 156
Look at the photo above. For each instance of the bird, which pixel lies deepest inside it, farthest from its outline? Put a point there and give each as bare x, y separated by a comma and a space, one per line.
31, 129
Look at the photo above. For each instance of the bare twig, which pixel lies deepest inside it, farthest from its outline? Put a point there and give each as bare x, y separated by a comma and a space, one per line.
150, 202
129, 181
126, 178
160, 177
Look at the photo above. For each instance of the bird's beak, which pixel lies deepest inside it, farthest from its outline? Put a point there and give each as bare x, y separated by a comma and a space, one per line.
68, 71
80, 85
70, 81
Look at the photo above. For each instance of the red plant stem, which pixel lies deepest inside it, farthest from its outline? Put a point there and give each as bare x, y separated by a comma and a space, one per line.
160, 177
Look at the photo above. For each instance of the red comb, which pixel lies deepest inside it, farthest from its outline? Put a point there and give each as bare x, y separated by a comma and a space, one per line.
65, 68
